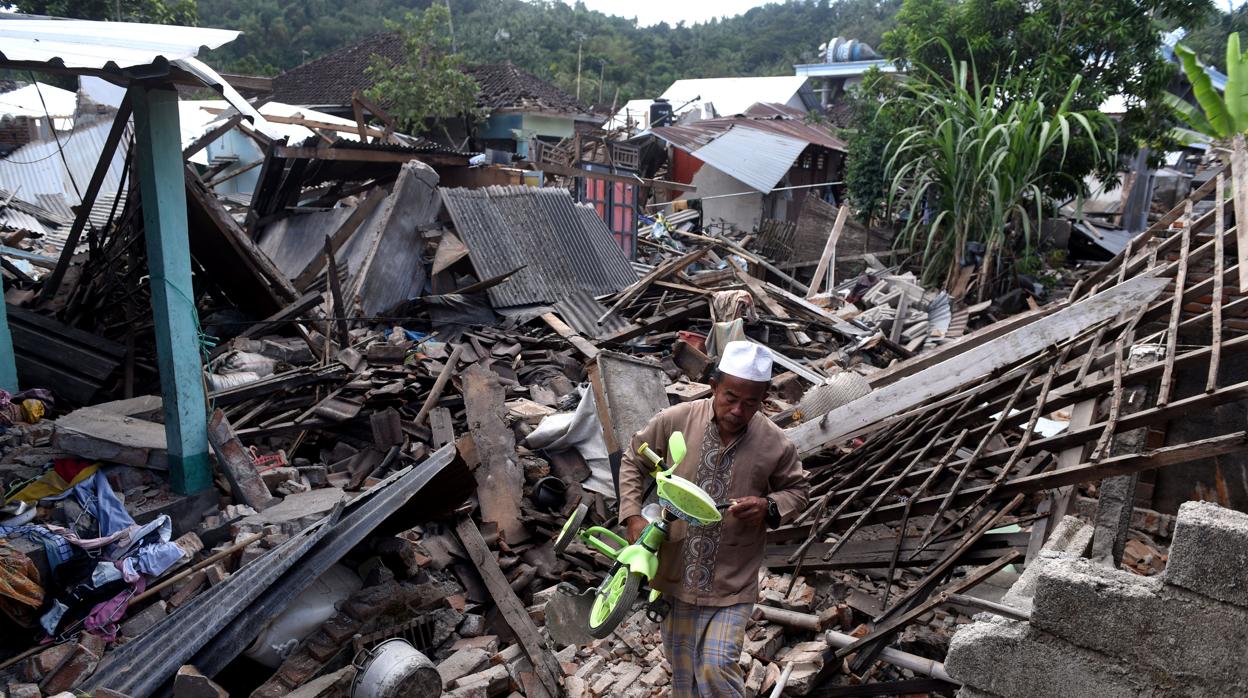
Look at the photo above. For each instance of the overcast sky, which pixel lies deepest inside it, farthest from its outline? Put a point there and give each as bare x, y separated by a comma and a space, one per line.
650, 12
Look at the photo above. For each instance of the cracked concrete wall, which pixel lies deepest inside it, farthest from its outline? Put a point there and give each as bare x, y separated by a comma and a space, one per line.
1096, 631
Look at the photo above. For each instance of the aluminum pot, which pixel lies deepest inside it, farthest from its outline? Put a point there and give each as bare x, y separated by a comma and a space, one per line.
394, 669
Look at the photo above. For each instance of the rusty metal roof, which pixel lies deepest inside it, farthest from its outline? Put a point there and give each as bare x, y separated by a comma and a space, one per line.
758, 148
541, 232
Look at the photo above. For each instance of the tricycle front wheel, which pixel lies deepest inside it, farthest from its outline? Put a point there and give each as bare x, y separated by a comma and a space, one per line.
613, 601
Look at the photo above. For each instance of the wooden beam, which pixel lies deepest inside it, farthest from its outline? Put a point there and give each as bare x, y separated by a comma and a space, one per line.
949, 351
1239, 183
628, 179
865, 412
306, 122
203, 141
563, 330
340, 237
439, 385
341, 311
510, 607
827, 261
499, 477
658, 322
1236, 442
254, 83
346, 153
82, 217
886, 630
227, 177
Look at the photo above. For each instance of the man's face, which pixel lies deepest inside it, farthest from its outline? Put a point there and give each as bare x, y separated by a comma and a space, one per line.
735, 401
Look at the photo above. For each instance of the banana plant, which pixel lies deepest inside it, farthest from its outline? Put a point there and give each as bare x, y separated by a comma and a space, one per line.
1220, 116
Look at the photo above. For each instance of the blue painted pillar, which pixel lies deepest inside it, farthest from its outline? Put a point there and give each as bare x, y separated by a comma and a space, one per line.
158, 162
8, 364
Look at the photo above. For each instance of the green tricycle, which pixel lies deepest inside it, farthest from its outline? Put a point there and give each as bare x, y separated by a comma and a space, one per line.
637, 563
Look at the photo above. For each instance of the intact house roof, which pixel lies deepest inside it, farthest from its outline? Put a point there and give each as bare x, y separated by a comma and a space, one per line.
330, 80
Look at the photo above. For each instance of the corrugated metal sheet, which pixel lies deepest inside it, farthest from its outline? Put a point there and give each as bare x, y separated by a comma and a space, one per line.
541, 230
102, 45
760, 159
31, 99
36, 168
581, 311
690, 137
12, 219
785, 120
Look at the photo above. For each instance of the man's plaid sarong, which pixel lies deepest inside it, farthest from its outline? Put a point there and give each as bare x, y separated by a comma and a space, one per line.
703, 644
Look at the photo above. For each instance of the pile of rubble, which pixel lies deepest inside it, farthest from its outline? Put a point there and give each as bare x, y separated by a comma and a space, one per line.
412, 384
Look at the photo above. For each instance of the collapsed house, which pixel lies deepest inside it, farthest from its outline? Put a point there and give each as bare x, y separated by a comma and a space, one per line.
349, 417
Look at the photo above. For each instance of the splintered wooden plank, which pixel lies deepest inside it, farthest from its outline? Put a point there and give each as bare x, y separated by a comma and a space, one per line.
1176, 314
563, 330
232, 456
510, 607
499, 478
1239, 180
442, 425
859, 415
1219, 261
827, 260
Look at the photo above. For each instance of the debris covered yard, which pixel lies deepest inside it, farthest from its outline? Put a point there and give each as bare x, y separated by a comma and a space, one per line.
316, 436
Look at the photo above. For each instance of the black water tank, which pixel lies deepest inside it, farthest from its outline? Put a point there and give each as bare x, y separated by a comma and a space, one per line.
660, 113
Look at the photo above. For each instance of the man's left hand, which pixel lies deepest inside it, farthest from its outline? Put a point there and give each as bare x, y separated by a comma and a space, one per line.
749, 509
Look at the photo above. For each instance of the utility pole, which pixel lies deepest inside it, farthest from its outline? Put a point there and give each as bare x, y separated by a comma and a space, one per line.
450, 20
580, 39
602, 72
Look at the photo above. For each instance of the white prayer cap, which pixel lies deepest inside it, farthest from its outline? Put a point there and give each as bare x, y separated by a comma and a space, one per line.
747, 360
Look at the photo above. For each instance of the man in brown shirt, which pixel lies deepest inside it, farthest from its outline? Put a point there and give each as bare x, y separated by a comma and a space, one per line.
710, 573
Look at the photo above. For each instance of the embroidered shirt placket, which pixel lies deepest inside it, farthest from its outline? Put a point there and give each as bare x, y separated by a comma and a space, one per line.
715, 476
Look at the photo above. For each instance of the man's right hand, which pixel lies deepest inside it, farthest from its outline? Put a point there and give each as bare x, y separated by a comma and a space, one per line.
635, 525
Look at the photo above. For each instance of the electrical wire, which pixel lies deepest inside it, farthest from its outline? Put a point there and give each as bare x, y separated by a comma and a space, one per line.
52, 127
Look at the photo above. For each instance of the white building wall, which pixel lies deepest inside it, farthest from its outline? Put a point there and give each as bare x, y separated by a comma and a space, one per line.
742, 212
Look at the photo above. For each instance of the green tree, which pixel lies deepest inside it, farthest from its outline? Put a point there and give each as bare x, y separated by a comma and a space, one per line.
1208, 39
877, 114
1221, 116
182, 12
429, 85
976, 160
1114, 45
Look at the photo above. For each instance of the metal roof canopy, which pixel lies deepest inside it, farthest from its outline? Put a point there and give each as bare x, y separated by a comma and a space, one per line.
120, 52
119, 49
147, 59
756, 157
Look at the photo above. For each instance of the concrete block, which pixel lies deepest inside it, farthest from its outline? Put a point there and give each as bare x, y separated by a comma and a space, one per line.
1014, 660
972, 692
71, 672
190, 683
23, 690
1209, 552
1070, 540
137, 625
1138, 619
462, 663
